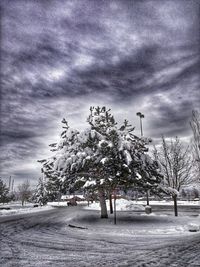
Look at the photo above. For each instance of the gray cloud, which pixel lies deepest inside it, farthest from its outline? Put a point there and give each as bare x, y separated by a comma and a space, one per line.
60, 57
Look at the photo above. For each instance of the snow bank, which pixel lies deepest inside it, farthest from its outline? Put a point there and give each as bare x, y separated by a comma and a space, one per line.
121, 205
64, 203
168, 203
24, 210
57, 204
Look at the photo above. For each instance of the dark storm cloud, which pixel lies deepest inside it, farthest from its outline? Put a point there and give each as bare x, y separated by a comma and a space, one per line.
58, 57
180, 121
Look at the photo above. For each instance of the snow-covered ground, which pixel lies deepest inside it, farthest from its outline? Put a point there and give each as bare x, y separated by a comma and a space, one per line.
139, 223
132, 221
169, 202
121, 204
57, 204
134, 224
136, 240
155, 223
125, 205
17, 208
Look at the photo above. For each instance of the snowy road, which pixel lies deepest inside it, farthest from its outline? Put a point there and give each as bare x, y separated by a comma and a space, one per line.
46, 240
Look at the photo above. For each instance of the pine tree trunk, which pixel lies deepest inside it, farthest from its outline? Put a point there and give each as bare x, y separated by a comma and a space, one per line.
111, 204
175, 205
102, 199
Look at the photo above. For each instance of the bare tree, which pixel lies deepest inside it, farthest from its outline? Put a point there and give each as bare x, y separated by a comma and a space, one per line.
24, 192
175, 164
195, 125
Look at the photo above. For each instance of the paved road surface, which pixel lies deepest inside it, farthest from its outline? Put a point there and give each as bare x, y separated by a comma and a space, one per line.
46, 240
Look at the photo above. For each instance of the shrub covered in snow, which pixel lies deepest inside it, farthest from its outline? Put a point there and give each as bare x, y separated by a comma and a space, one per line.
193, 227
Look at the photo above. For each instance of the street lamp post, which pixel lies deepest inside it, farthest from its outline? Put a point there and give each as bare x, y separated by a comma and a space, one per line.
141, 117
115, 211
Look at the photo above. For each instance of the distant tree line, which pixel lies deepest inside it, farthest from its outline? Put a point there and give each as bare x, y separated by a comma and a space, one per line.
23, 192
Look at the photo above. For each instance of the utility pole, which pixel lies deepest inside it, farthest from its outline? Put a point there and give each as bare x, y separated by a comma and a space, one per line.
9, 186
141, 116
12, 185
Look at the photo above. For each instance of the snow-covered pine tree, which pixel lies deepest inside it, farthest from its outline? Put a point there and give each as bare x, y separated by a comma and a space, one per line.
101, 158
60, 168
53, 183
3, 192
82, 155
119, 157
143, 171
102, 141
40, 195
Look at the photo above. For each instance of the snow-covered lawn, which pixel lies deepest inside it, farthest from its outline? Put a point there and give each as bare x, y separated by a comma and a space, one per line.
140, 223
134, 224
132, 219
17, 208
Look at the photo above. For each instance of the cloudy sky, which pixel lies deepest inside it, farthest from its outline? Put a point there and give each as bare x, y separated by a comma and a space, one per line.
60, 57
